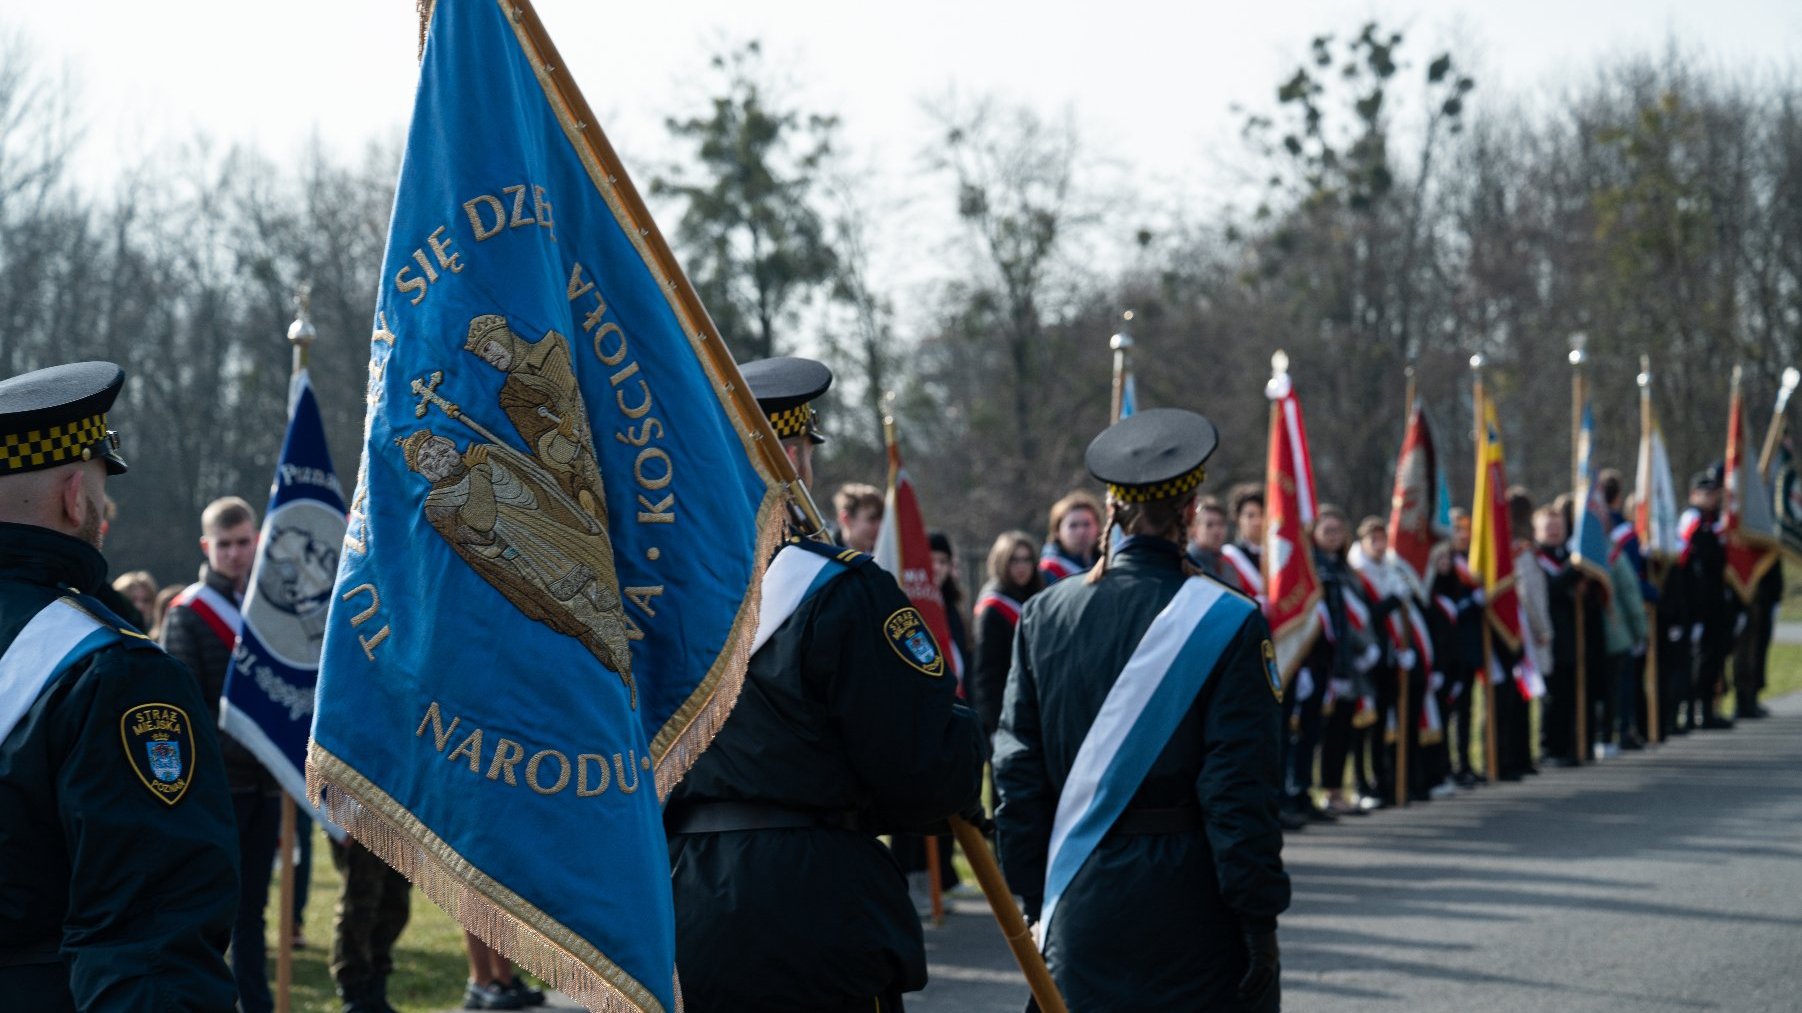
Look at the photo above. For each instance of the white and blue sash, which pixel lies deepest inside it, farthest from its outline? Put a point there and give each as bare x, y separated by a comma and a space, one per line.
1142, 710
794, 576
61, 634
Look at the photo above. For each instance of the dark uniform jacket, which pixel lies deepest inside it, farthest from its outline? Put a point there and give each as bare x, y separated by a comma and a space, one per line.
833, 719
1151, 922
189, 640
1562, 581
994, 652
111, 898
1709, 601
1342, 653
1214, 564
1463, 649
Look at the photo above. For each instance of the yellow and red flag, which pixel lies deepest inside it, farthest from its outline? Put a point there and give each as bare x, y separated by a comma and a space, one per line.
1491, 540
1292, 588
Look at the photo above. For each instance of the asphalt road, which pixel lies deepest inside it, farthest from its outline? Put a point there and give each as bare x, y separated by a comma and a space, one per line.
1666, 880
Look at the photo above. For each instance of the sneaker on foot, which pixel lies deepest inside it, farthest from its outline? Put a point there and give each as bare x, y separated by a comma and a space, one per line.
493, 995
1444, 789
528, 996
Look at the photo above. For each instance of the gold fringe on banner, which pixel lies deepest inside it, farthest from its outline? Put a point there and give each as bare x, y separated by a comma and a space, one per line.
689, 731
500, 917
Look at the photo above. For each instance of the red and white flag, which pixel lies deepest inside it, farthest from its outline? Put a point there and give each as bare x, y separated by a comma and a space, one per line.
903, 550
1414, 506
1746, 511
1292, 588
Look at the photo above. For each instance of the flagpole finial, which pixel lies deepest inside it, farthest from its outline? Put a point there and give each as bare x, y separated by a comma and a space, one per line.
1477, 362
1645, 373
1122, 340
301, 333
1577, 354
1791, 377
1279, 363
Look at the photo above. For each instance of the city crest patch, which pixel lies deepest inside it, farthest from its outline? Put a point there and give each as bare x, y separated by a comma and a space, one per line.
160, 748
907, 634
1270, 672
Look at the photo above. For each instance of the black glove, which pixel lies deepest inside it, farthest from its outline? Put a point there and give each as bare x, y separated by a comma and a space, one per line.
1262, 965
978, 817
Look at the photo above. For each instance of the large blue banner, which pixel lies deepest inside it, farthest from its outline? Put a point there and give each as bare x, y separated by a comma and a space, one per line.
269, 687
550, 578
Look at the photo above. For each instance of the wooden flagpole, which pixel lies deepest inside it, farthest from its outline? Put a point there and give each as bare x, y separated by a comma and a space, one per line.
1580, 752
1773, 434
1655, 727
300, 336
1401, 674
1122, 344
768, 446
719, 358
891, 445
284, 947
1491, 750
1007, 915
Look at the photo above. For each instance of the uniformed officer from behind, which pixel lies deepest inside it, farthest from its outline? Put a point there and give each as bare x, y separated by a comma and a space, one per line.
118, 850
1137, 758
846, 728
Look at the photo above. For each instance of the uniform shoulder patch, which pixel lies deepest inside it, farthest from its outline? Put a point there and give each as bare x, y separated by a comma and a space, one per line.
1270, 671
907, 633
160, 748
836, 553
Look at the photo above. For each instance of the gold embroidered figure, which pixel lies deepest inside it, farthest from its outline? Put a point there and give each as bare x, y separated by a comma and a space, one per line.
545, 404
511, 518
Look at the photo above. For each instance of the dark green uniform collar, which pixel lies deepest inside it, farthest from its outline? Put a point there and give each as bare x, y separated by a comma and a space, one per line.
42, 556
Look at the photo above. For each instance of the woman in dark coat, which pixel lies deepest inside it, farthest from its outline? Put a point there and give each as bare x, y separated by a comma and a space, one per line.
1013, 578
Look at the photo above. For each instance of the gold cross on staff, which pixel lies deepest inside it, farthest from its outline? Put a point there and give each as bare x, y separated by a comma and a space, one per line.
428, 395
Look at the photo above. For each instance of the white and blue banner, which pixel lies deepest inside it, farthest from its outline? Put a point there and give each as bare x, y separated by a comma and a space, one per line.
269, 688
1142, 710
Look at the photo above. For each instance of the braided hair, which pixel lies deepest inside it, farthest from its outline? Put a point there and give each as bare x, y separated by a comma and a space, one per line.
1158, 516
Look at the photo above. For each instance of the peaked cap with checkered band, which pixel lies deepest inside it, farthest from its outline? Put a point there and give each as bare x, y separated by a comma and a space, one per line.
784, 388
1154, 454
55, 416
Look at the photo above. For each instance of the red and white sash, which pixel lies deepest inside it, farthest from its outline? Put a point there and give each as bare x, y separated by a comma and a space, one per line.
1009, 608
1056, 566
1249, 573
215, 609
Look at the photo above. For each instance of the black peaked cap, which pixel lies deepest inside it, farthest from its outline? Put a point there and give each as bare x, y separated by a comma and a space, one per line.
783, 387
1153, 454
53, 416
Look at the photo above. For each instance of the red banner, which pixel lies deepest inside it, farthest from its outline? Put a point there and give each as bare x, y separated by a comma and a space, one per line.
903, 550
1292, 587
1413, 508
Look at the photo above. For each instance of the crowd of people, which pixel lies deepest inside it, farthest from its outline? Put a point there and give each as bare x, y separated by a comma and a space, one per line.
1382, 632
1048, 656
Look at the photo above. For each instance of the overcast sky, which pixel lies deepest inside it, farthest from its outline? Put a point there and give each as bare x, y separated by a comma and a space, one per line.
1151, 85
1150, 82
